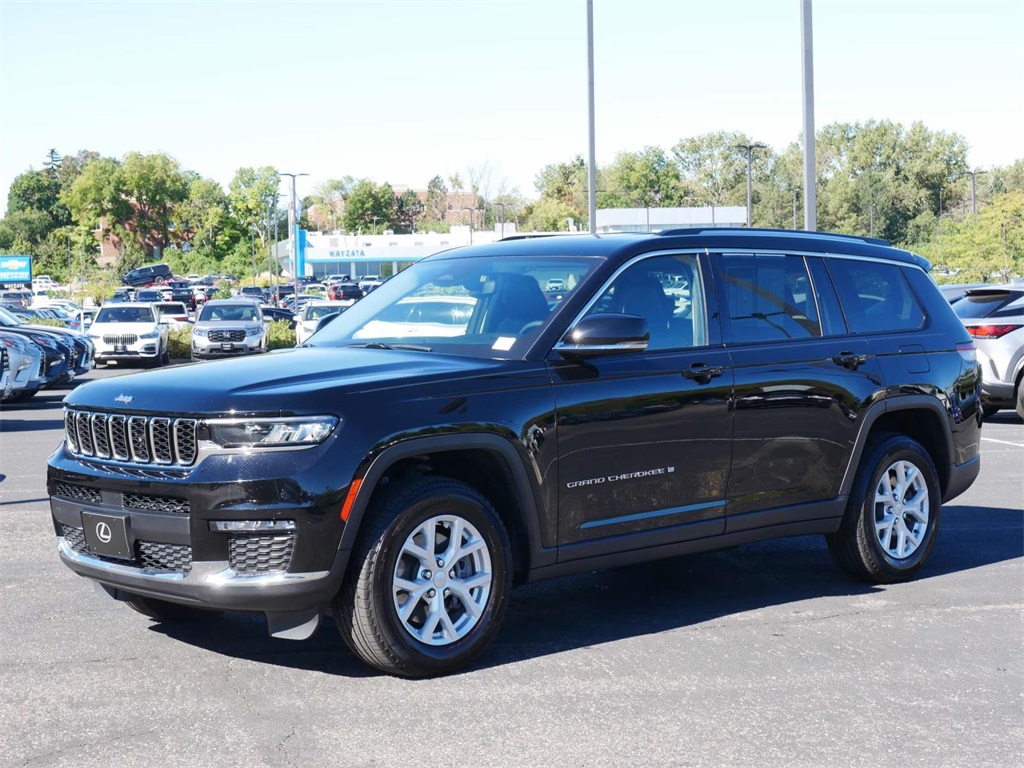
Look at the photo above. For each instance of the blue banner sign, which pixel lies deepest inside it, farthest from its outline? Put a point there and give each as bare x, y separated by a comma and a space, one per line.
15, 269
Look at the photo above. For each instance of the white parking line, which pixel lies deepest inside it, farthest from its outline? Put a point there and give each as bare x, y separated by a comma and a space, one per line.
1003, 442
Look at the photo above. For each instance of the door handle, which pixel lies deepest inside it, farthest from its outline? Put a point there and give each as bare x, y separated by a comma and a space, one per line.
701, 373
849, 361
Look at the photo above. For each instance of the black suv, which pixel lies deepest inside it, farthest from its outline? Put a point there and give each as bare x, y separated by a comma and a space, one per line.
151, 274
458, 431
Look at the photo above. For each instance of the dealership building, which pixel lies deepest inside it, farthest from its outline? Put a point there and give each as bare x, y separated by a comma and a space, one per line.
330, 253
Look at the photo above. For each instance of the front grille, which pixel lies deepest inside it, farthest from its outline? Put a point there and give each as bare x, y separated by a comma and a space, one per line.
164, 557
156, 503
260, 554
139, 439
77, 492
227, 335
173, 558
124, 339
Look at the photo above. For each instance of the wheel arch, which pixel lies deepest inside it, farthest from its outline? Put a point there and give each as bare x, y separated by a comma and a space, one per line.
917, 416
486, 462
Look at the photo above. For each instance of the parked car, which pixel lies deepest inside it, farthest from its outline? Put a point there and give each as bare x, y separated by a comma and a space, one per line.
406, 480
310, 314
278, 313
129, 332
56, 361
253, 292
174, 313
16, 298
149, 295
183, 292
367, 283
349, 292
150, 274
228, 328
994, 316
27, 363
124, 295
75, 349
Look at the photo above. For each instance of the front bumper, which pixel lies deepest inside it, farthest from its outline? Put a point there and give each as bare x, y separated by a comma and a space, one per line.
204, 349
175, 520
143, 349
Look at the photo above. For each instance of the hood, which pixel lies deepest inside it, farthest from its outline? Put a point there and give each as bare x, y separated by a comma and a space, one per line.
119, 329
307, 380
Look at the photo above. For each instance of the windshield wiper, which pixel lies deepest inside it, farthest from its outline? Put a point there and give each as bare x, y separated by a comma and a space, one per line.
382, 345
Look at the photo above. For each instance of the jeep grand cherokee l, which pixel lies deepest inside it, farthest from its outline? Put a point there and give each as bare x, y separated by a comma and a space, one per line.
405, 478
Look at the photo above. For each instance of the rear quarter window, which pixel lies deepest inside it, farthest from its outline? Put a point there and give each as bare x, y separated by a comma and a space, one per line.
875, 296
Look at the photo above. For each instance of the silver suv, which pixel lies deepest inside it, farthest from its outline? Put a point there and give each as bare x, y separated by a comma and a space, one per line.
994, 316
229, 327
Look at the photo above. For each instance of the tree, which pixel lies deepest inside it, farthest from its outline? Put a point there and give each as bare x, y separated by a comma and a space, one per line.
979, 246
549, 215
38, 191
248, 193
648, 179
327, 203
408, 209
52, 163
713, 171
565, 184
202, 216
370, 207
436, 207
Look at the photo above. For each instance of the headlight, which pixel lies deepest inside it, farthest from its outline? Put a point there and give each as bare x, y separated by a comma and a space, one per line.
150, 335
271, 432
251, 332
200, 332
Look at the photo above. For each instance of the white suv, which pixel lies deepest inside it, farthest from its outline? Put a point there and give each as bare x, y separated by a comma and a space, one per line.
227, 328
127, 331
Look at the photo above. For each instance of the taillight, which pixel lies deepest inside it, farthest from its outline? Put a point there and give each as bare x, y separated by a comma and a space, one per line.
991, 331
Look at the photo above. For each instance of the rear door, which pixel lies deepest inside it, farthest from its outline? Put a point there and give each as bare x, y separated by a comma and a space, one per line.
801, 385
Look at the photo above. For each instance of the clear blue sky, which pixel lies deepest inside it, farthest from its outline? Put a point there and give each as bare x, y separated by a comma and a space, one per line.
401, 90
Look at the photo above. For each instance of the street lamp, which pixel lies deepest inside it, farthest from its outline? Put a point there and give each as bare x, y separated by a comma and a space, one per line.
974, 190
466, 208
293, 226
749, 149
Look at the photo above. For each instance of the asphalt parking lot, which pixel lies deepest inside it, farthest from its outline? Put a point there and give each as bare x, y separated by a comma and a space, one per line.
763, 655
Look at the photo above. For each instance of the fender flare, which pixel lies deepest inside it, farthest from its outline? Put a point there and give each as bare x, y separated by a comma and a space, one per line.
901, 403
536, 554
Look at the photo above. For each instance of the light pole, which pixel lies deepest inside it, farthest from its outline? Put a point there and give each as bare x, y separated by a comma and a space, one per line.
794, 207
252, 249
293, 226
810, 172
271, 212
872, 219
749, 149
503, 206
974, 190
375, 224
466, 208
592, 164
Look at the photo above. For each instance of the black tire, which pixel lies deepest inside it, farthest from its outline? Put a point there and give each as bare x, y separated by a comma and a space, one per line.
165, 358
988, 411
162, 610
365, 607
855, 547
1020, 400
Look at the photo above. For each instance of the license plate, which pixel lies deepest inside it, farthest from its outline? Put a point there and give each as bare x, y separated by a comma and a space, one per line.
119, 348
107, 535
226, 346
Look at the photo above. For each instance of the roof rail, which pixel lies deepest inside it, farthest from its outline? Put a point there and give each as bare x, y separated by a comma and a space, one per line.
767, 230
532, 235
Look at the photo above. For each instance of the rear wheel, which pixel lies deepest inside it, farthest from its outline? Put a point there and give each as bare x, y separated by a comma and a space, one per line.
163, 610
429, 580
892, 516
1020, 401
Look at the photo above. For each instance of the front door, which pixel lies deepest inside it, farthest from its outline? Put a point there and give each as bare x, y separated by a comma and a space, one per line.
644, 438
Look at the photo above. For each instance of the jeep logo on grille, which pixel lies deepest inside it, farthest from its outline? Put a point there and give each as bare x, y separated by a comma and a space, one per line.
123, 399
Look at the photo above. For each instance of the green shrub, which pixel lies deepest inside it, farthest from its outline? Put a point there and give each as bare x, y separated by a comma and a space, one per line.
53, 321
281, 335
179, 342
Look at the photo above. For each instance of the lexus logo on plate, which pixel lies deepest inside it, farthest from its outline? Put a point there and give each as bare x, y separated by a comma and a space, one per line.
103, 532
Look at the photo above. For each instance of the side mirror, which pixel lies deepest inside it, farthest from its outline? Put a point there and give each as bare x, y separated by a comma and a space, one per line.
603, 335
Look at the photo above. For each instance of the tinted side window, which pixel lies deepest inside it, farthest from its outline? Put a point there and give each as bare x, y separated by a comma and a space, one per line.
668, 292
875, 296
832, 322
769, 298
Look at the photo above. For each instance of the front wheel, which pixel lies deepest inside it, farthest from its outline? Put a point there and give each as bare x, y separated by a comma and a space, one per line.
892, 516
429, 580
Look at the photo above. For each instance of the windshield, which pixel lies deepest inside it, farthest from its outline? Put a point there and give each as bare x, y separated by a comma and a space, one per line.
483, 306
316, 311
989, 304
172, 309
125, 315
229, 313
8, 318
